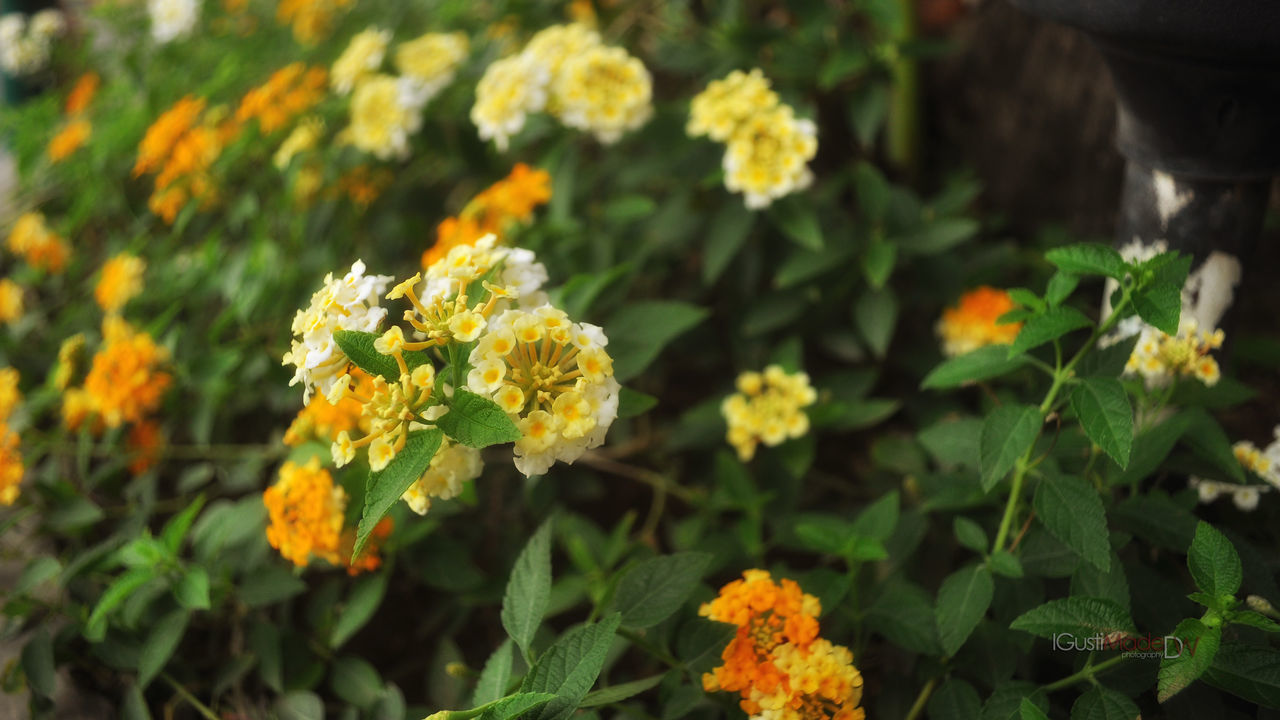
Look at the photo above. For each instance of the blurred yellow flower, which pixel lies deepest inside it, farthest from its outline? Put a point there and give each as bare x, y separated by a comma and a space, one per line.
767, 156
125, 382
312, 20
41, 247
432, 60
69, 139
11, 467
362, 57
493, 211
303, 138
604, 91
768, 408
383, 116
305, 511
725, 104
10, 301
82, 93
120, 281
68, 351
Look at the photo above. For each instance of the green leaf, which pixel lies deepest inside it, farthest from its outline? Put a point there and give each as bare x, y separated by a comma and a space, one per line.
192, 590
300, 705
655, 588
176, 529
264, 641
578, 295
953, 442
1027, 299
618, 693
1194, 653
878, 520
970, 534
955, 700
1080, 616
938, 236
877, 314
514, 706
528, 589
494, 677
1007, 564
639, 331
632, 403
1151, 447
1214, 562
366, 595
1053, 324
384, 488
122, 587
134, 706
1101, 703
1251, 672
797, 220
476, 421
1088, 259
1070, 509
355, 681
38, 664
1103, 408
904, 614
1113, 585
1028, 711
1160, 305
1061, 285
878, 262
41, 569
963, 600
270, 585
570, 667
729, 231
872, 191
1257, 620
358, 347
160, 644
981, 364
1007, 433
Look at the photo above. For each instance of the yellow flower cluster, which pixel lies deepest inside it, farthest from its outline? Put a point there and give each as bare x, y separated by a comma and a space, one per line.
125, 382
971, 322
322, 420
11, 467
768, 147
776, 661
37, 244
120, 282
306, 511
1160, 358
181, 147
568, 70
11, 304
387, 109
312, 20
553, 378
305, 136
768, 408
451, 466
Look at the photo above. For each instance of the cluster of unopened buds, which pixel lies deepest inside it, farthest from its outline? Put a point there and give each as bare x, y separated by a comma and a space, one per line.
479, 313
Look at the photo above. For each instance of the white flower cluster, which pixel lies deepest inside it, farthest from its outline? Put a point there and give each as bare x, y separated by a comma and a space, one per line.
348, 303
25, 46
519, 275
567, 70
172, 19
452, 465
1263, 462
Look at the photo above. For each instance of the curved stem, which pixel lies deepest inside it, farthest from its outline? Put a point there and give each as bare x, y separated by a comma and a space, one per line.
1088, 672
918, 706
191, 700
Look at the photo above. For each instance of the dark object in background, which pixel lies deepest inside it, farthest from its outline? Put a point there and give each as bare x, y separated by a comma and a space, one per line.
1198, 96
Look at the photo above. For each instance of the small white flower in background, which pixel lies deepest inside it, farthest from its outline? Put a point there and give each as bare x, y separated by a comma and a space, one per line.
172, 19
48, 24
1245, 497
349, 303
25, 46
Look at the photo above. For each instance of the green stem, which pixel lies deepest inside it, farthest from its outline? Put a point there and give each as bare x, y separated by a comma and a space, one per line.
1060, 378
904, 101
1088, 672
918, 706
191, 700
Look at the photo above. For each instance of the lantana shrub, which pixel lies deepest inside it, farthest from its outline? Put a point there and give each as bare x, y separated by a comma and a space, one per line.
518, 360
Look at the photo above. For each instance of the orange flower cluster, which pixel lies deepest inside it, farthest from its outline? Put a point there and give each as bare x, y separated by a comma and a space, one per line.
971, 323
11, 467
75, 133
307, 511
289, 92
508, 201
776, 661
41, 247
125, 383
311, 19
145, 441
322, 420
181, 147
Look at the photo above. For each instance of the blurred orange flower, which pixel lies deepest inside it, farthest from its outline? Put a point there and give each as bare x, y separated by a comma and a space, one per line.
971, 323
